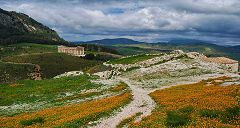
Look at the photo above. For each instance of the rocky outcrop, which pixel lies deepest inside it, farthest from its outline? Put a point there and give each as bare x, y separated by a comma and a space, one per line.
36, 74
119, 68
195, 55
164, 63
149, 62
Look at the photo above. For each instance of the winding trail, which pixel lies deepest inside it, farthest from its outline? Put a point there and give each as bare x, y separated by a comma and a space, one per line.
142, 102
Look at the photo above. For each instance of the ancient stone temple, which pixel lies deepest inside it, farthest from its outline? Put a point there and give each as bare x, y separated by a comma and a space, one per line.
75, 51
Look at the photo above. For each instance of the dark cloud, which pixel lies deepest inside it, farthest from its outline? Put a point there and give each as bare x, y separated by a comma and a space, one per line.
152, 20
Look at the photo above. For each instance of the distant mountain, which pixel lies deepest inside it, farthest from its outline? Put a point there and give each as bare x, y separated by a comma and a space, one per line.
125, 41
208, 49
112, 41
124, 46
236, 47
189, 43
18, 27
186, 41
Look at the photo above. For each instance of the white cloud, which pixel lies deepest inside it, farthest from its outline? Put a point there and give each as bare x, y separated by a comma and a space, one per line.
143, 20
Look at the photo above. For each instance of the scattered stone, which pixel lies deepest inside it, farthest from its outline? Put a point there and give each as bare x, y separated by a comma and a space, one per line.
67, 74
36, 74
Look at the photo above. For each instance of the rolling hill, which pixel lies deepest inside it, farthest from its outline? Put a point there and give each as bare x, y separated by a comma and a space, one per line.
204, 48
130, 47
112, 41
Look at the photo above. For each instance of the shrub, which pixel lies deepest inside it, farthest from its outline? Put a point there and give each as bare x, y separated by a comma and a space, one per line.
210, 113
89, 56
175, 118
231, 114
187, 109
33, 121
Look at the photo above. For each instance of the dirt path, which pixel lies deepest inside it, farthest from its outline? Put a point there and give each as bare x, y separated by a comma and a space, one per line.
142, 102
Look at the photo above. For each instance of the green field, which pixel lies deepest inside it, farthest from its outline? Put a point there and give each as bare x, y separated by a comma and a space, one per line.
70, 101
30, 91
26, 48
133, 50
53, 64
132, 59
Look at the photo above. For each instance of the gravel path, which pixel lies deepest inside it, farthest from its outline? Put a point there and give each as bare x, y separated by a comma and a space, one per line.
142, 102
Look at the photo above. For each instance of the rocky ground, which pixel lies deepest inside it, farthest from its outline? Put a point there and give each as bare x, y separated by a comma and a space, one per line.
141, 103
158, 73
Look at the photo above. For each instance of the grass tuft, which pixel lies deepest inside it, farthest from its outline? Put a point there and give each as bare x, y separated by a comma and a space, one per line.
36, 120
231, 114
175, 118
210, 113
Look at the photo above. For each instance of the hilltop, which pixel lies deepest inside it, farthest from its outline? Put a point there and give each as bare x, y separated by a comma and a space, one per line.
18, 27
126, 46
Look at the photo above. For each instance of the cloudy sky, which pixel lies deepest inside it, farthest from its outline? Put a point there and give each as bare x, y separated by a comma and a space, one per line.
217, 21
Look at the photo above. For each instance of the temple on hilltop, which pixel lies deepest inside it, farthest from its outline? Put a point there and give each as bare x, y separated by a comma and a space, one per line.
74, 51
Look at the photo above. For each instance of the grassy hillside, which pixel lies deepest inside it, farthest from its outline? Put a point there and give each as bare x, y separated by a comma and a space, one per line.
62, 102
11, 72
99, 48
132, 59
50, 88
18, 27
53, 64
134, 50
26, 48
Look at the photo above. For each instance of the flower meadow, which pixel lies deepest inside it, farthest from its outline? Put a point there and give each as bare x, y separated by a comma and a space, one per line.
68, 116
201, 105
